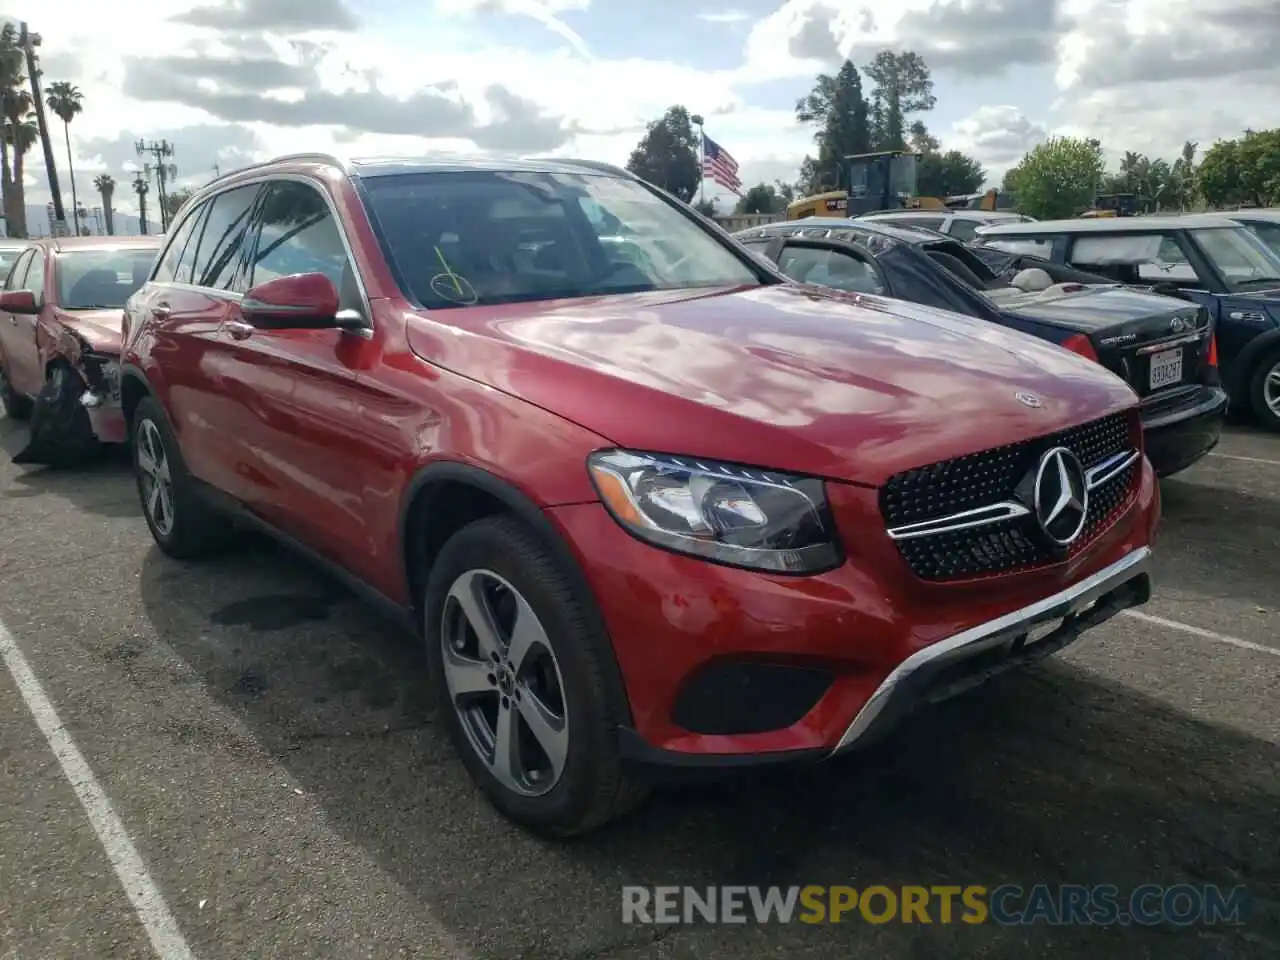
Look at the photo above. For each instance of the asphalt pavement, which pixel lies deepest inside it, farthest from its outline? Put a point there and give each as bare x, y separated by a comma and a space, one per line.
236, 759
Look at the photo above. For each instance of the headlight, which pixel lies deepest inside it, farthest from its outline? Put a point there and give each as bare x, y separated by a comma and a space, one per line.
742, 517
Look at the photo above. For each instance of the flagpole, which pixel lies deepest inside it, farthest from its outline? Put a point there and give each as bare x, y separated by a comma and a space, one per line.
702, 159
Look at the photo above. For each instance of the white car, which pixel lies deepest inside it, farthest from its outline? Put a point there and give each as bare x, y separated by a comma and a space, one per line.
960, 224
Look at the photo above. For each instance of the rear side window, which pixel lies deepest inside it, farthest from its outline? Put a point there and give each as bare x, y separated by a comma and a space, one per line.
963, 230
829, 268
167, 269
297, 235
217, 254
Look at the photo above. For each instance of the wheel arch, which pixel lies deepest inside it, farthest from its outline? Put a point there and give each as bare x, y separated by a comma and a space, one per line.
1242, 369
133, 387
459, 494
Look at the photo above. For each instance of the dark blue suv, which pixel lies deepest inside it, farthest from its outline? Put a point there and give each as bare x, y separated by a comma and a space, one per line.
1208, 258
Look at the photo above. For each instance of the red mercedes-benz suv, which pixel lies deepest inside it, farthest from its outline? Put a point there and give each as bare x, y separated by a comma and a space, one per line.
649, 503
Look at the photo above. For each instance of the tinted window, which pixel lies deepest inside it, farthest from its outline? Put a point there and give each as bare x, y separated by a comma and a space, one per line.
217, 252
1241, 258
97, 279
476, 237
1268, 233
18, 273
963, 230
298, 235
35, 276
168, 267
829, 268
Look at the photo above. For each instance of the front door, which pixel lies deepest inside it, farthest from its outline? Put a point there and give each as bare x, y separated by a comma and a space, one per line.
294, 393
12, 329
25, 369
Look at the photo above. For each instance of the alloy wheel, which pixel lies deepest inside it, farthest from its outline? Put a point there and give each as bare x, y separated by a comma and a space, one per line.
1271, 389
156, 478
504, 683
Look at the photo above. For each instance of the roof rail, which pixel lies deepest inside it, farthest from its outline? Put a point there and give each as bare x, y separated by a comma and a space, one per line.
601, 166
324, 158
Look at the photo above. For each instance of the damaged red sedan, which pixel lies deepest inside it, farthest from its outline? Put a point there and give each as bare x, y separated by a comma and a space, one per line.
60, 317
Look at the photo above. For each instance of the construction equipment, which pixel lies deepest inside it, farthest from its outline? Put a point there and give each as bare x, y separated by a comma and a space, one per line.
881, 181
1113, 205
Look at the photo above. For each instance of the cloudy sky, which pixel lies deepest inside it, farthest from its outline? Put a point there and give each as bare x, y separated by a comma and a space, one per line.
232, 81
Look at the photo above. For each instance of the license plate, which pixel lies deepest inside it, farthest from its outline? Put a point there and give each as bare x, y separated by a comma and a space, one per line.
1166, 369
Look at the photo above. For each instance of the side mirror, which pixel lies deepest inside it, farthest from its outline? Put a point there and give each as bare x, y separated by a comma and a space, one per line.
301, 301
18, 301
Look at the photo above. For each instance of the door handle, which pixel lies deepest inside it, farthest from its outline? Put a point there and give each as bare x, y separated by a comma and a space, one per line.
238, 330
161, 311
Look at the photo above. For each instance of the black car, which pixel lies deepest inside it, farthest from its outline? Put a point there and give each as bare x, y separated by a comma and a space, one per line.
1165, 348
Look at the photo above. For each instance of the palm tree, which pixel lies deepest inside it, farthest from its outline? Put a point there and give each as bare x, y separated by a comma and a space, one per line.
66, 100
15, 105
106, 185
18, 137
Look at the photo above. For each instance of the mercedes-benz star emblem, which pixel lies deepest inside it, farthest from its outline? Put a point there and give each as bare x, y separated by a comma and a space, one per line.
1061, 496
1027, 399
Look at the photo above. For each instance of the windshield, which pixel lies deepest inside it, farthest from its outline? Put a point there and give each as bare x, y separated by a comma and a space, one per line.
1242, 259
485, 237
102, 278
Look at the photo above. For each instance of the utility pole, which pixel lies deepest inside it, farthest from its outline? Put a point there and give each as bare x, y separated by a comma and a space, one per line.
702, 157
27, 42
140, 187
217, 170
164, 172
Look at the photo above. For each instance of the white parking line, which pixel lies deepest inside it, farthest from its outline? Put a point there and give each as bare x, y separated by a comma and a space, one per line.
147, 902
1201, 632
1232, 456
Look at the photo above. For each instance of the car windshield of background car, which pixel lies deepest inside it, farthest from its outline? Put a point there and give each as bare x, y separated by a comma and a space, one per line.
1244, 260
474, 238
101, 279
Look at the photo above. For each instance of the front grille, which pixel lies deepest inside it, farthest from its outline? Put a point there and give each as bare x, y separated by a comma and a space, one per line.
999, 476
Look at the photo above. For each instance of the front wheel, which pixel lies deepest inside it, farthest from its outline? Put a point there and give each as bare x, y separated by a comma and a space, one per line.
1264, 391
182, 524
517, 668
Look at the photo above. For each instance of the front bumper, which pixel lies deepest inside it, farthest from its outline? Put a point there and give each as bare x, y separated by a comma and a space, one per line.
723, 668
1181, 429
102, 402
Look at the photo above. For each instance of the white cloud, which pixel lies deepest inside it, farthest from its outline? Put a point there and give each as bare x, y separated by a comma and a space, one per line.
725, 16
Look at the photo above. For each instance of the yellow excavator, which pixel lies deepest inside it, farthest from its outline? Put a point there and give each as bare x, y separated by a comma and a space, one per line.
884, 181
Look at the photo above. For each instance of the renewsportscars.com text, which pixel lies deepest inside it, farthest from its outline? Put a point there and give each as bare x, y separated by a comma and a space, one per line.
1008, 904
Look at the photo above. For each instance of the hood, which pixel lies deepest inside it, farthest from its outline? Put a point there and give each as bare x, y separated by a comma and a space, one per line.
788, 377
1098, 310
100, 329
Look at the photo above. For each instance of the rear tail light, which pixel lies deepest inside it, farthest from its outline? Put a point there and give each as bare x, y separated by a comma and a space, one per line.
1079, 343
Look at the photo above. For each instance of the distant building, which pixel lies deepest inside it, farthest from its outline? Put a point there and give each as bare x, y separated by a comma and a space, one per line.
93, 218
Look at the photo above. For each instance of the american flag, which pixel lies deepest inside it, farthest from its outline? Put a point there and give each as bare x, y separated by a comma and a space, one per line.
719, 166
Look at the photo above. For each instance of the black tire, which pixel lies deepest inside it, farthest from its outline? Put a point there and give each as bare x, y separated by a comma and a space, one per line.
1258, 388
594, 787
194, 530
16, 406
62, 434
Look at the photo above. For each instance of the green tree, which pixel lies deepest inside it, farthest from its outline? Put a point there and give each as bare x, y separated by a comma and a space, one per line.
762, 198
173, 201
1259, 164
67, 102
949, 174
838, 108
667, 155
1058, 178
1218, 175
105, 184
903, 86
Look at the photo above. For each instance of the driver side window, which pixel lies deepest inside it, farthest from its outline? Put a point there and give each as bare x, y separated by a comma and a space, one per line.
829, 267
